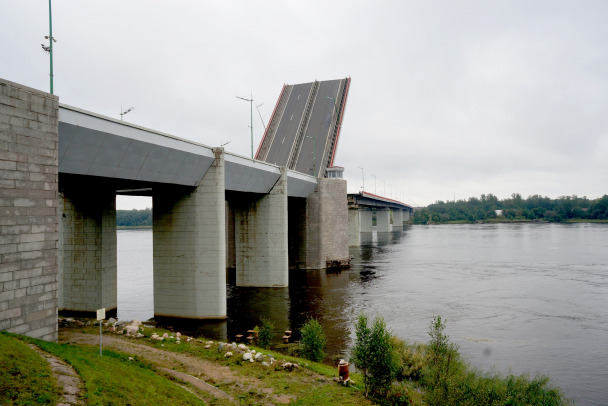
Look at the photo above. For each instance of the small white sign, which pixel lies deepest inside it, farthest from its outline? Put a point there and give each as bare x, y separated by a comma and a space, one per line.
101, 314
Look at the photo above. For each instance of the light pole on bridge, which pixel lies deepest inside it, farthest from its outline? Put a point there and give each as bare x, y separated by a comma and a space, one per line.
250, 100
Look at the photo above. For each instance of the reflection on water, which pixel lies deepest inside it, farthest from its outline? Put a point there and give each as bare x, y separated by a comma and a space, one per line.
519, 297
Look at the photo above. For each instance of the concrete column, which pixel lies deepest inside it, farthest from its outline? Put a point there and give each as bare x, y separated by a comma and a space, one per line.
383, 220
261, 238
87, 245
189, 229
406, 215
354, 227
230, 242
365, 220
397, 220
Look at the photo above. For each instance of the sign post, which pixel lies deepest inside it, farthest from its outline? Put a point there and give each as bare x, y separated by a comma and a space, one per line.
101, 314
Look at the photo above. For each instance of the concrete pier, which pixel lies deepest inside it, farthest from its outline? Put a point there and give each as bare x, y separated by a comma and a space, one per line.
261, 237
383, 220
397, 220
189, 227
87, 245
323, 231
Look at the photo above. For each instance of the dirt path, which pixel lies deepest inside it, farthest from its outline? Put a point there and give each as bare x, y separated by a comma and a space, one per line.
200, 373
67, 377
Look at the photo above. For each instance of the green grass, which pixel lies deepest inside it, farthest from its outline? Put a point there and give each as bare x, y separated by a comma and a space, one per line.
25, 377
114, 380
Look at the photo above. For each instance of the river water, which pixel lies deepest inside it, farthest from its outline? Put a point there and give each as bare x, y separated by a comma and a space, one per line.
516, 297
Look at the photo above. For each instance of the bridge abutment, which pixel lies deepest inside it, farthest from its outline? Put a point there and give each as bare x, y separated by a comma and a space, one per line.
383, 220
189, 245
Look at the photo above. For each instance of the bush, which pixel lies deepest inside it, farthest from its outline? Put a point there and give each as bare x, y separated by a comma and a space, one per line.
313, 341
374, 356
265, 332
410, 360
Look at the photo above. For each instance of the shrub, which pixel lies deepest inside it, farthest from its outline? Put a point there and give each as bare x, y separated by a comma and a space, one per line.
410, 359
313, 341
374, 356
265, 332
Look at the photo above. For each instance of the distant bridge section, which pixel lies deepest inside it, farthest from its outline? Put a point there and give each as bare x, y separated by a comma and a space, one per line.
390, 215
303, 131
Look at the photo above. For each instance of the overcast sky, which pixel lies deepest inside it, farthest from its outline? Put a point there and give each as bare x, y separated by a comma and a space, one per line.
448, 98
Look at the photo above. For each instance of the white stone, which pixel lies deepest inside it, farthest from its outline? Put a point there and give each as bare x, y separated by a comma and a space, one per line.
154, 336
228, 354
259, 356
207, 346
165, 335
131, 330
136, 323
247, 356
242, 347
178, 334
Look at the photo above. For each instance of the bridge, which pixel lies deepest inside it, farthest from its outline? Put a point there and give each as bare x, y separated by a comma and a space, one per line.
303, 132
390, 215
60, 171
62, 168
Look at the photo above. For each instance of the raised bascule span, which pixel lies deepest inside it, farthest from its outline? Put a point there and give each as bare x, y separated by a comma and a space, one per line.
304, 129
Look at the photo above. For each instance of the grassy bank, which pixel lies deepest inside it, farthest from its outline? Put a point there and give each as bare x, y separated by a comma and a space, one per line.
146, 370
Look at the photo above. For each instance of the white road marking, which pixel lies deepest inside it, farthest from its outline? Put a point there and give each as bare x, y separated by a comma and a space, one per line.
291, 117
283, 140
298, 97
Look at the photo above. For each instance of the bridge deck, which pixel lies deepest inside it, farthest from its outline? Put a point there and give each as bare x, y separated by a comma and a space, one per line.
303, 131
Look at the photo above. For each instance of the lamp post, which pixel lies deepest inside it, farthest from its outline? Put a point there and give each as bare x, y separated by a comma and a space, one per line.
49, 48
122, 113
362, 177
250, 100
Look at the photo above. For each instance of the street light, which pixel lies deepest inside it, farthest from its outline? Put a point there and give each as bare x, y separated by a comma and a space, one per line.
250, 100
363, 177
49, 49
122, 113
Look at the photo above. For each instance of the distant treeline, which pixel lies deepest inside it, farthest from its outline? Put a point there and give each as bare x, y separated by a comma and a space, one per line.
515, 208
134, 218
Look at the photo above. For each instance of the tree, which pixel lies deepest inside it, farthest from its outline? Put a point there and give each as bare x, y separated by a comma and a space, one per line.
443, 363
374, 356
313, 341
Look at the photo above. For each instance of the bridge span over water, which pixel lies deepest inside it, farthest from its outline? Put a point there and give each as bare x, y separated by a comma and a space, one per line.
62, 168
390, 215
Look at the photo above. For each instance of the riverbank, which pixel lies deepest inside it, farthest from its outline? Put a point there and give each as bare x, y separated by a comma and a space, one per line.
155, 365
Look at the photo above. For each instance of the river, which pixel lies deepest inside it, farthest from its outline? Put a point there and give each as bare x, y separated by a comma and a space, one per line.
516, 297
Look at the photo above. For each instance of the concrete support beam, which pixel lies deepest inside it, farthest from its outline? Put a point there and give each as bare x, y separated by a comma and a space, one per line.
87, 245
383, 224
397, 220
324, 239
366, 220
354, 227
189, 227
261, 237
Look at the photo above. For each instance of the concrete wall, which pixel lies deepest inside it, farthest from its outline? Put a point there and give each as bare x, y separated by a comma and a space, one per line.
189, 229
261, 237
325, 235
354, 227
28, 211
383, 220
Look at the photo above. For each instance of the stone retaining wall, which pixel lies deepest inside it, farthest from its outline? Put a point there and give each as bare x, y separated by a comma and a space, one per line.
28, 211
